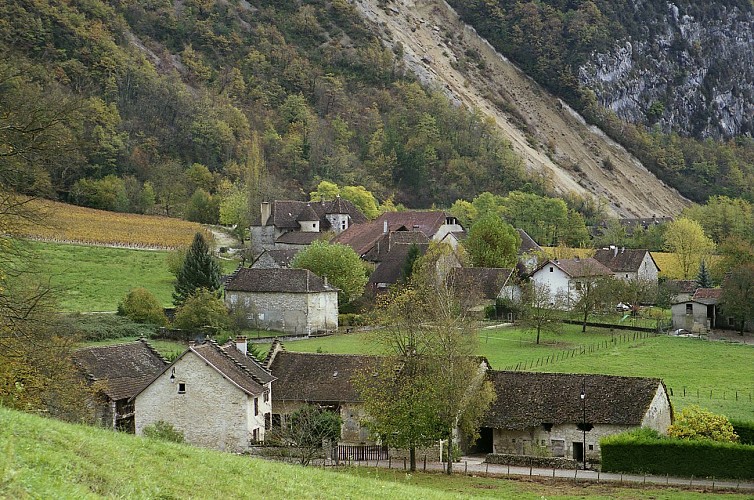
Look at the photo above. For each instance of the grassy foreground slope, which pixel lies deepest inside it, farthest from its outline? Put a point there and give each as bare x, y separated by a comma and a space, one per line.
44, 458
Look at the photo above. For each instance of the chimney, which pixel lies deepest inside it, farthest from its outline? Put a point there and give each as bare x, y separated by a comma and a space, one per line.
265, 211
325, 280
241, 343
615, 251
384, 226
622, 249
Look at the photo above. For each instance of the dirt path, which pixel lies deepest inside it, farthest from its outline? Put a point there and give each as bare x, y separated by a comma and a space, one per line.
550, 137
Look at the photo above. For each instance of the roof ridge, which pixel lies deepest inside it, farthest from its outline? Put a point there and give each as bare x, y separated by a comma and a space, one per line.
240, 366
154, 351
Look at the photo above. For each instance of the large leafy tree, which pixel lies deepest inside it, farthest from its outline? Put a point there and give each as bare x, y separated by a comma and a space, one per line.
737, 299
338, 263
199, 270
491, 242
686, 238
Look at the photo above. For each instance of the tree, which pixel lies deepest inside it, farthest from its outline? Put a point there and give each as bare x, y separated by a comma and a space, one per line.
539, 312
199, 270
703, 279
737, 298
363, 199
593, 290
408, 266
234, 211
338, 263
491, 242
203, 208
141, 306
201, 309
309, 427
733, 252
696, 423
686, 238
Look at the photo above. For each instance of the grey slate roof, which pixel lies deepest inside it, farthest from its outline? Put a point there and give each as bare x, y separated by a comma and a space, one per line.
529, 399
284, 214
623, 259
283, 280
237, 373
527, 243
252, 365
314, 377
390, 268
683, 286
280, 258
487, 281
121, 370
298, 238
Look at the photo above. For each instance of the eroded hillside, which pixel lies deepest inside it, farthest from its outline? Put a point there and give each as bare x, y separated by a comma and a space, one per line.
552, 138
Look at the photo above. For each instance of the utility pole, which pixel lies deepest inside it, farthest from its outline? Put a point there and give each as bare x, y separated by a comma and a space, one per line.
583, 418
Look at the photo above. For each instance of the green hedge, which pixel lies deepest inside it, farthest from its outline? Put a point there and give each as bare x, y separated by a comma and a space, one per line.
745, 431
640, 452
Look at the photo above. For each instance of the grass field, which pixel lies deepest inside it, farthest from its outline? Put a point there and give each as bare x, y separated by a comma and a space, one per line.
697, 365
92, 278
44, 458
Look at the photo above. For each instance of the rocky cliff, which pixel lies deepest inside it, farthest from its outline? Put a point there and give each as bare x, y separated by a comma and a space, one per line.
688, 68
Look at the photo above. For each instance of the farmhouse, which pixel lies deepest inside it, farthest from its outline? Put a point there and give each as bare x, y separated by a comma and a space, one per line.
545, 413
320, 379
294, 301
293, 224
701, 313
629, 264
217, 396
484, 285
118, 372
565, 278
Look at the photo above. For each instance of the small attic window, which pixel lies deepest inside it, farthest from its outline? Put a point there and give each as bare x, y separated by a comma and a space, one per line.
181, 388
552, 269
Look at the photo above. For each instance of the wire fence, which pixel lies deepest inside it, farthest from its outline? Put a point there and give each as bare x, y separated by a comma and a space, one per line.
706, 394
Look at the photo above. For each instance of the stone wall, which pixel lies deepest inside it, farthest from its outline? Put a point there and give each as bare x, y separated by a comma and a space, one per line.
532, 461
660, 413
294, 313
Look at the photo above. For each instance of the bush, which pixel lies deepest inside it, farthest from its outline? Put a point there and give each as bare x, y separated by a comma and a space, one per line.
745, 431
643, 452
203, 308
141, 306
697, 423
351, 320
164, 431
95, 327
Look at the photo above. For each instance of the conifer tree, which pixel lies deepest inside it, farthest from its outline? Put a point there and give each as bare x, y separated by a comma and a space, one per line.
703, 279
200, 270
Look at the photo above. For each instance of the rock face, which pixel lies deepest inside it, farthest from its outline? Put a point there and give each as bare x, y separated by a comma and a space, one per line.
690, 70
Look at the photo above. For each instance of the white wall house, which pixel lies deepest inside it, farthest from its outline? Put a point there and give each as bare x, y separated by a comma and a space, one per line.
294, 301
629, 264
565, 278
217, 396
544, 413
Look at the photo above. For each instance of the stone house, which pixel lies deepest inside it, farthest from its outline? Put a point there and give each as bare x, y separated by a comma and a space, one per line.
566, 277
295, 301
681, 290
701, 313
275, 259
293, 224
545, 414
629, 264
529, 252
324, 380
217, 396
118, 372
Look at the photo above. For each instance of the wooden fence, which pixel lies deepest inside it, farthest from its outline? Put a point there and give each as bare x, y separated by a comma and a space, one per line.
344, 452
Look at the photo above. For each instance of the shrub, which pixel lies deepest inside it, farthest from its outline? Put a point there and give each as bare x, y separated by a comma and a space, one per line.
744, 430
94, 327
164, 431
141, 306
696, 423
203, 308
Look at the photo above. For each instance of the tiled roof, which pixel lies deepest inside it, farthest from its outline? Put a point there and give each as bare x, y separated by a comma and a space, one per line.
284, 214
281, 280
623, 259
121, 370
318, 377
683, 286
580, 268
487, 281
248, 362
307, 214
707, 296
298, 238
237, 373
390, 268
527, 243
284, 257
527, 399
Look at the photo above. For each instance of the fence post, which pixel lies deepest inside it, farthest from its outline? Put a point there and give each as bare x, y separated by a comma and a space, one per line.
465, 467
486, 469
404, 463
425, 462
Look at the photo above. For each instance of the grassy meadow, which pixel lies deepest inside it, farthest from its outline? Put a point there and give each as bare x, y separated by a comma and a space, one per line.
44, 458
94, 278
697, 365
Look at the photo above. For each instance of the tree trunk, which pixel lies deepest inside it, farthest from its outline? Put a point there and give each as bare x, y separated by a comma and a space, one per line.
450, 454
412, 458
583, 326
538, 329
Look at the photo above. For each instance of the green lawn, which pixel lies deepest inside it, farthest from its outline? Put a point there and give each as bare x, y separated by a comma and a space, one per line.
681, 362
44, 458
97, 278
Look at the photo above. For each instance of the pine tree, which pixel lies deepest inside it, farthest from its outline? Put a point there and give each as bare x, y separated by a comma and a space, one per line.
200, 270
703, 279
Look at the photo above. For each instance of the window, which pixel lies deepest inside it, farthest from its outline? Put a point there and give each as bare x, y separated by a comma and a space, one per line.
552, 269
344, 225
267, 421
256, 406
266, 396
276, 420
578, 285
627, 276
181, 388
314, 225
591, 447
255, 435
689, 308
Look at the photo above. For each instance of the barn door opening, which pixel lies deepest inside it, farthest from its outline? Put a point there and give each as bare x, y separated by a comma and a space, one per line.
578, 451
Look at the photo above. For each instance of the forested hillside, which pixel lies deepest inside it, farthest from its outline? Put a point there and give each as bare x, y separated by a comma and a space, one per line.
659, 78
119, 105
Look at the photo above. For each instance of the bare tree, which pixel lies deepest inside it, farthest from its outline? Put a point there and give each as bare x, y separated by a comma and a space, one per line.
539, 312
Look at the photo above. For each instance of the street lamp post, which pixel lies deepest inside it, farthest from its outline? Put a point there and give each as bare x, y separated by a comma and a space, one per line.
583, 418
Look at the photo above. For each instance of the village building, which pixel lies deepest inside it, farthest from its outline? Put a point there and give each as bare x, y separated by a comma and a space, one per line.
681, 290
483, 286
117, 372
558, 414
700, 313
529, 252
294, 301
565, 278
629, 264
216, 396
275, 259
287, 224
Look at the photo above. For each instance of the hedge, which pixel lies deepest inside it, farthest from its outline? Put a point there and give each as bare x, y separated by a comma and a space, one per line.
745, 431
640, 453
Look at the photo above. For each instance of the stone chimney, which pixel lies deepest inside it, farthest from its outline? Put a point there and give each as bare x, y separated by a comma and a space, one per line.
241, 343
265, 211
384, 227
